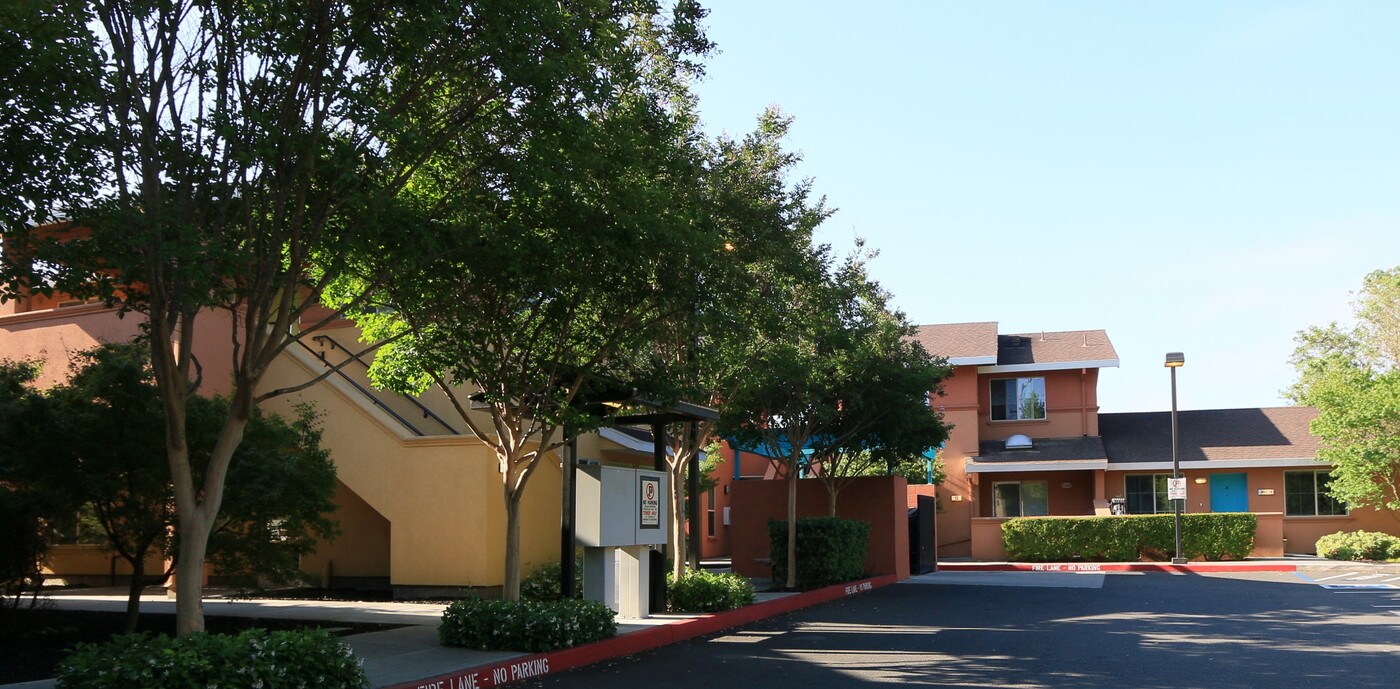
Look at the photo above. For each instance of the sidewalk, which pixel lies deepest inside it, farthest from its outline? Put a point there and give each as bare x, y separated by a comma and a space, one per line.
410, 657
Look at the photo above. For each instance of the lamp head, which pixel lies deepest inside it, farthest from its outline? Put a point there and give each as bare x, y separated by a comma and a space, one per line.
1175, 359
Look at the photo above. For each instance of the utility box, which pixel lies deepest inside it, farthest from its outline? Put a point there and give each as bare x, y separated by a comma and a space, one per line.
622, 512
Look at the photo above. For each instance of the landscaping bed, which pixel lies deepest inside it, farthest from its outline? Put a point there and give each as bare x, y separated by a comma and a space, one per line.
38, 640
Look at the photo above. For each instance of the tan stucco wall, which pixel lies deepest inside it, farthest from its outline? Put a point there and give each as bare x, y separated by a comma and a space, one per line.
361, 550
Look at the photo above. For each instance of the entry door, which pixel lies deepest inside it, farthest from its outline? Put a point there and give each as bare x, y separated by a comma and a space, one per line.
1228, 493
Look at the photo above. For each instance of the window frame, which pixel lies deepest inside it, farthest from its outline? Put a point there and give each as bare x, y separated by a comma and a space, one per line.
1020, 499
1160, 503
993, 408
1317, 493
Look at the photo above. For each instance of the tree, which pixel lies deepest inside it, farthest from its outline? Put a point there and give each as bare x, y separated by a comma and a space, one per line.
1352, 377
765, 221
103, 456
558, 255
816, 391
248, 151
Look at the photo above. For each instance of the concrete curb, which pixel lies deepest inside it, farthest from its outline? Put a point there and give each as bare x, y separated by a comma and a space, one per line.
1189, 568
551, 662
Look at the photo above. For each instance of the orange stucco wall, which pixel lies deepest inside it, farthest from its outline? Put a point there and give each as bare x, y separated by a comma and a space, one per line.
958, 405
94, 564
878, 500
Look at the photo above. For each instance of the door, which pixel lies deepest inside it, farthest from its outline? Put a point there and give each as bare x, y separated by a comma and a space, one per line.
1228, 493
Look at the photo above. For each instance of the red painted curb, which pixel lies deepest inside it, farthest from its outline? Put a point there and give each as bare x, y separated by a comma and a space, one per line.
539, 664
1191, 568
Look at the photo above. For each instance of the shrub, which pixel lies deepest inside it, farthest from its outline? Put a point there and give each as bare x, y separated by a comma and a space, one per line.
530, 626
542, 584
1358, 545
255, 658
830, 550
709, 592
1122, 538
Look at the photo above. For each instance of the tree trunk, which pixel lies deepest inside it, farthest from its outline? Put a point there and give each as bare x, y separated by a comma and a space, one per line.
791, 583
133, 592
510, 590
189, 577
831, 491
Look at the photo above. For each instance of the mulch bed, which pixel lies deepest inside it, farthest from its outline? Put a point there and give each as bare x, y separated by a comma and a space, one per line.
33, 644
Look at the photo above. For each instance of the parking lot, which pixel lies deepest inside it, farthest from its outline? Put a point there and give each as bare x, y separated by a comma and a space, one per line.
1037, 629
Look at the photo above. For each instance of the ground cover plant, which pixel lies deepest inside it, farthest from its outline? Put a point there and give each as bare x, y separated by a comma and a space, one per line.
525, 625
701, 591
1359, 545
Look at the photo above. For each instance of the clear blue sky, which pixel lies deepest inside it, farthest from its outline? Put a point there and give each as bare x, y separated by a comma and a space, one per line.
1209, 177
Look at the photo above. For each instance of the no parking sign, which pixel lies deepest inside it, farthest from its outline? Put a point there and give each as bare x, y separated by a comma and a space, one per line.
651, 502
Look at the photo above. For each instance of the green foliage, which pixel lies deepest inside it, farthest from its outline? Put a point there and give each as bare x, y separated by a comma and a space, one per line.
702, 591
1359, 545
1352, 376
1125, 538
542, 583
526, 626
22, 547
830, 550
255, 658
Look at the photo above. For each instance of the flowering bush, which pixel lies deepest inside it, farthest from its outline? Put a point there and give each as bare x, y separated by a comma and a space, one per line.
255, 659
1358, 545
526, 625
709, 592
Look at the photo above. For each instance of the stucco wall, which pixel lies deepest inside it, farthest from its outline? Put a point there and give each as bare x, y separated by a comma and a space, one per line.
1071, 406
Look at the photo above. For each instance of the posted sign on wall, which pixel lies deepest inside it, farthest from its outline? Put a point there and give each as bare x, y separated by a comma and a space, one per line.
650, 502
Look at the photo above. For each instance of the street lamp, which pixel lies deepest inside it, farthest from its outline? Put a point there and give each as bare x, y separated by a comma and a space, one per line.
1176, 360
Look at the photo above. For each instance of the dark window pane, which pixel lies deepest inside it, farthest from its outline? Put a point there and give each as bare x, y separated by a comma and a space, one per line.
1299, 494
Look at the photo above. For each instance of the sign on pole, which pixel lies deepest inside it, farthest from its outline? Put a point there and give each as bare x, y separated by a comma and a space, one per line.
1176, 489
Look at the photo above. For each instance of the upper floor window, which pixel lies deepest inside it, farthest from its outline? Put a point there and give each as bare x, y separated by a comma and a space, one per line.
1305, 495
1018, 399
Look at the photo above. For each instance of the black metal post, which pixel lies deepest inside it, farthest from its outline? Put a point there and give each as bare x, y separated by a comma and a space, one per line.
568, 521
1176, 475
692, 489
658, 559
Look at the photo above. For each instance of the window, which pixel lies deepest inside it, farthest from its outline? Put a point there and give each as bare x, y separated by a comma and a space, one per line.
1018, 399
710, 512
1305, 495
1147, 493
1021, 499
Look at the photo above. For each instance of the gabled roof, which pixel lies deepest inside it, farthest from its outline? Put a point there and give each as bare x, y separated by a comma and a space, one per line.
963, 344
1044, 454
1050, 350
1214, 435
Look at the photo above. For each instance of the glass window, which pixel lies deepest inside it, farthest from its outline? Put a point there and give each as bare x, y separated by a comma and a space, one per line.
1018, 399
1021, 499
1146, 493
710, 512
1305, 495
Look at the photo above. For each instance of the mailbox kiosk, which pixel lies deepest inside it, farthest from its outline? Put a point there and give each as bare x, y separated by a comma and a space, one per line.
622, 513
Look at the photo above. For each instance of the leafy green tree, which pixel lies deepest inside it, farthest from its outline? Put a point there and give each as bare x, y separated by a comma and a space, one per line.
555, 258
765, 220
1352, 377
247, 152
102, 454
819, 388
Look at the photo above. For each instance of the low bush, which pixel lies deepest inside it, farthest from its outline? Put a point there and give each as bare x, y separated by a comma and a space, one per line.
529, 626
255, 658
1358, 545
830, 550
708, 592
1123, 538
542, 584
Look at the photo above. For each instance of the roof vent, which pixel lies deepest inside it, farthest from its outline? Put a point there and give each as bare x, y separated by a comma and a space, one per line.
1018, 442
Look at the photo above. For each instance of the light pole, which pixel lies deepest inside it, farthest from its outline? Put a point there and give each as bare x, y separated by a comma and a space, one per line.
1176, 360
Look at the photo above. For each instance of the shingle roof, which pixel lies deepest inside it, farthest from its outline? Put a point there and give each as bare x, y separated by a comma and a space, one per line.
1043, 450
959, 340
1055, 347
1268, 433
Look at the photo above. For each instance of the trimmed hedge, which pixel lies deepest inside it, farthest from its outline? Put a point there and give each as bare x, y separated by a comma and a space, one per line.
255, 658
709, 592
1359, 545
830, 550
543, 582
530, 626
1121, 538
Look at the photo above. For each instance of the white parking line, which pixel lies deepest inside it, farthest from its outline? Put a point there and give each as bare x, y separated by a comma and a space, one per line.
1335, 576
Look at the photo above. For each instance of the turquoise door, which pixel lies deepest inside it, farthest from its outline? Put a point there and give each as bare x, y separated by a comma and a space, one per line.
1228, 493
